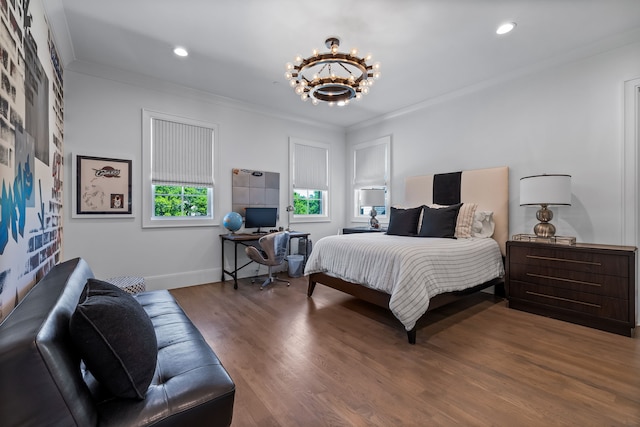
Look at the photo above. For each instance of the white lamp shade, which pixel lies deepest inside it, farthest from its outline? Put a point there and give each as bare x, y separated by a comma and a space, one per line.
545, 190
372, 197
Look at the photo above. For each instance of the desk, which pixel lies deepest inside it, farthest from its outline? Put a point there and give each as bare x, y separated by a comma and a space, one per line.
245, 239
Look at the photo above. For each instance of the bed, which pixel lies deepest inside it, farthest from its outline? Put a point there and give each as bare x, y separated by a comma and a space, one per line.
411, 275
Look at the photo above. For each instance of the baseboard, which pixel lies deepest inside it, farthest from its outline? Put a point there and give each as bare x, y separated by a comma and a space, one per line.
199, 277
183, 279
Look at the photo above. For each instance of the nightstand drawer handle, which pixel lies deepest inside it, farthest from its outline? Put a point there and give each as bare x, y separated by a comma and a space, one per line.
546, 258
563, 260
563, 279
564, 299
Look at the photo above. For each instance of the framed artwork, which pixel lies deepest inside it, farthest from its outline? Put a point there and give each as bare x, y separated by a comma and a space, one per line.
103, 187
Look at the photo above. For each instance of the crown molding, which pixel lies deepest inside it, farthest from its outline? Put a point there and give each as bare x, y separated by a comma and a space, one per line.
139, 80
600, 47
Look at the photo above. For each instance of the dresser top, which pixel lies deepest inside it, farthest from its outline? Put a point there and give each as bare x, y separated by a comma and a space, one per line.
577, 246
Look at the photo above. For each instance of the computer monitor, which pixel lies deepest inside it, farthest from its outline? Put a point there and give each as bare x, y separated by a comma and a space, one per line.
260, 217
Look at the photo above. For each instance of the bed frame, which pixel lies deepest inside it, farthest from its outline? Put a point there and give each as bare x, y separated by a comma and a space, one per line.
489, 188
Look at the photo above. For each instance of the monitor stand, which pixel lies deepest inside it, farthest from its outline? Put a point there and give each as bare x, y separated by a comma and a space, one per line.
258, 231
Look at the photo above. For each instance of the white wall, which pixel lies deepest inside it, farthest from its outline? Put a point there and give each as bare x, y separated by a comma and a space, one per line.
103, 117
564, 119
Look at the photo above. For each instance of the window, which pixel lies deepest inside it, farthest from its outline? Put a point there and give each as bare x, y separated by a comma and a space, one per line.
309, 163
308, 202
178, 169
371, 171
172, 200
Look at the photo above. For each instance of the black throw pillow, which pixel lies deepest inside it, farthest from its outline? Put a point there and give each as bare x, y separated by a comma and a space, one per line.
404, 222
115, 338
439, 222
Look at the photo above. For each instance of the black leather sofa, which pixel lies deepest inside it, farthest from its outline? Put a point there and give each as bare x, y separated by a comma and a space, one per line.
43, 382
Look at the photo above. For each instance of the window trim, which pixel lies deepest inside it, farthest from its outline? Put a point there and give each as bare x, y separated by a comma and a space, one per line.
384, 184
326, 215
148, 220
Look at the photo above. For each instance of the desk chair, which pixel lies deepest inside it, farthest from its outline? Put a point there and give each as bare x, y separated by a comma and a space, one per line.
274, 249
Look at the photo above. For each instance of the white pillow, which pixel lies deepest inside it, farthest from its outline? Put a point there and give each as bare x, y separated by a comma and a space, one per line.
483, 224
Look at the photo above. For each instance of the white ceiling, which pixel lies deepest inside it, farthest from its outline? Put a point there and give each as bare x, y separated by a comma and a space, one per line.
427, 48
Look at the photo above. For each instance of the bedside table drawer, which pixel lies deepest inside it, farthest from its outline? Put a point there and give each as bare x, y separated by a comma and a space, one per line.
580, 281
582, 302
568, 259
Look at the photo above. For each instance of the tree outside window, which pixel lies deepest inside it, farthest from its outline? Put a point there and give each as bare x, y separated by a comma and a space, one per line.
178, 201
308, 202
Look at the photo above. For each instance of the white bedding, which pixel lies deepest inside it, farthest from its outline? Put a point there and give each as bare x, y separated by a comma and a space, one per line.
410, 269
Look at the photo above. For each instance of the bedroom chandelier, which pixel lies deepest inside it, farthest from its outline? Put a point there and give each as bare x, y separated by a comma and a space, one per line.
332, 77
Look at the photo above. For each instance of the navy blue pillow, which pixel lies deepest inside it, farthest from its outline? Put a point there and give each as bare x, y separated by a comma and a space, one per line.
404, 222
439, 222
115, 338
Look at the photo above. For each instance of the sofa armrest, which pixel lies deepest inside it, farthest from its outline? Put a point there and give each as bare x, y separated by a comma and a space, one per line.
39, 367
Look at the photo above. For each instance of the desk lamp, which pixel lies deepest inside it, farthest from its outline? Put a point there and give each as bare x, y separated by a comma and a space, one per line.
289, 210
545, 190
372, 197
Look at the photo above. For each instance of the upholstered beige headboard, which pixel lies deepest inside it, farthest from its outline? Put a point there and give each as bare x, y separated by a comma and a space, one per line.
489, 188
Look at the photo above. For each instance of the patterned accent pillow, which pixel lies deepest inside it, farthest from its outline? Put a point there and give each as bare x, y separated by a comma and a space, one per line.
483, 224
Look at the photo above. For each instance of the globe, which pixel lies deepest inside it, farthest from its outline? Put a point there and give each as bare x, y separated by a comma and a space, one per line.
232, 221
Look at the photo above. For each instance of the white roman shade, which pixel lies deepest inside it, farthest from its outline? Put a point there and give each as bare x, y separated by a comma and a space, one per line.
310, 167
371, 164
182, 154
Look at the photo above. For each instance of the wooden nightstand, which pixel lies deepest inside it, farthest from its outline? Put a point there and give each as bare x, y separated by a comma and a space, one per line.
589, 284
353, 230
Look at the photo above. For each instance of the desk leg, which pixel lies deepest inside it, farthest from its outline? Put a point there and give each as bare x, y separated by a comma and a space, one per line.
306, 251
234, 273
235, 265
222, 264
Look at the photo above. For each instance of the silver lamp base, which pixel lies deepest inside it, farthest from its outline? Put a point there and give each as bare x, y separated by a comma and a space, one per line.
544, 228
373, 222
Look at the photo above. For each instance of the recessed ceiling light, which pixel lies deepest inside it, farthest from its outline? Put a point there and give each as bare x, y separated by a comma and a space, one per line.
180, 51
505, 28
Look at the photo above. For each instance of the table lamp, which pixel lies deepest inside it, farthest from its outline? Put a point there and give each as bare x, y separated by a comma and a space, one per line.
372, 197
545, 190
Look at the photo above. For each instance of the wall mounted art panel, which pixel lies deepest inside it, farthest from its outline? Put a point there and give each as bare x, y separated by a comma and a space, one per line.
253, 188
31, 151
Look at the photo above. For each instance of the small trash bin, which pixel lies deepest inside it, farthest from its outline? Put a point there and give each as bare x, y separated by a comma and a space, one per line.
296, 265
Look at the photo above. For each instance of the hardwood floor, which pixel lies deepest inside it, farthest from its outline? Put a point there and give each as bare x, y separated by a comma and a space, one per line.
332, 360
